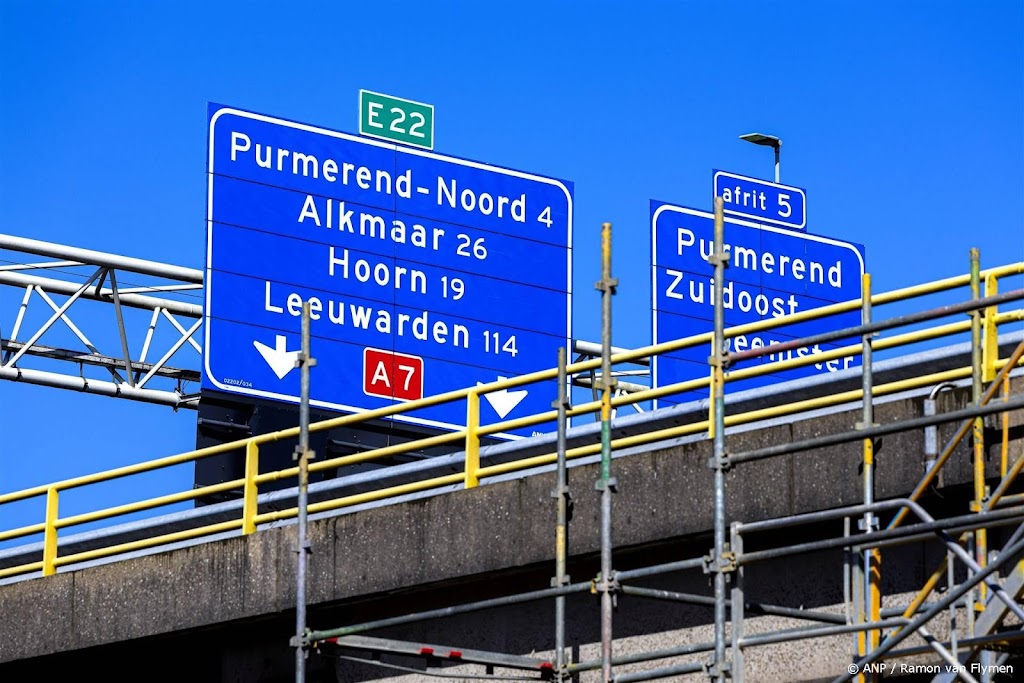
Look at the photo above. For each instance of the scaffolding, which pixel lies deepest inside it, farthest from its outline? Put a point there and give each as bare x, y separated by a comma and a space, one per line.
993, 578
978, 584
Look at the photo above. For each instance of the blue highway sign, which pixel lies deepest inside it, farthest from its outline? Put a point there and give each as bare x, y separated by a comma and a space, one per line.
761, 201
424, 273
772, 273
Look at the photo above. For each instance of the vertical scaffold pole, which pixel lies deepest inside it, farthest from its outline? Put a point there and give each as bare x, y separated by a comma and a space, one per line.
853, 594
978, 438
607, 585
562, 502
302, 452
871, 557
737, 610
720, 259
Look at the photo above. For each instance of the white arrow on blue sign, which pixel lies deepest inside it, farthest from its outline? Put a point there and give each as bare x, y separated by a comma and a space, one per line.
424, 273
772, 273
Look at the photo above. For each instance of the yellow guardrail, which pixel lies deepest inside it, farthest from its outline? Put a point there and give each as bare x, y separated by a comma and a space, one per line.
470, 436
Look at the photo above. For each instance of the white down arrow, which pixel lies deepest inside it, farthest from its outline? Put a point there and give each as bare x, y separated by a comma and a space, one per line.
279, 360
504, 401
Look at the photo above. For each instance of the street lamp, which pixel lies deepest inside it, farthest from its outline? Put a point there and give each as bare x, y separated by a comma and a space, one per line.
767, 141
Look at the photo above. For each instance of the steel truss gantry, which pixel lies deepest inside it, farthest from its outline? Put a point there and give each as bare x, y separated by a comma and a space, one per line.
81, 276
984, 595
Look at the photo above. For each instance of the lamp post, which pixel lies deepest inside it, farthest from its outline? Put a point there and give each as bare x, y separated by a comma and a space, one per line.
766, 141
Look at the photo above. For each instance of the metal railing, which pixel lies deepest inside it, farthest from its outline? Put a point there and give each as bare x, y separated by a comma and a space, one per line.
877, 631
251, 518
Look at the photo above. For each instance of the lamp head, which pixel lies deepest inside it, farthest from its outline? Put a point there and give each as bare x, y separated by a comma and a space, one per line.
762, 139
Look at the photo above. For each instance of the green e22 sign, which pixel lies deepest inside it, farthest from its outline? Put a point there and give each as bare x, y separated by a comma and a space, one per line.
397, 119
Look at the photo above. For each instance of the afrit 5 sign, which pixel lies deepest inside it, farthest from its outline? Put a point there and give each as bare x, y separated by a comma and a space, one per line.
760, 200
424, 273
772, 273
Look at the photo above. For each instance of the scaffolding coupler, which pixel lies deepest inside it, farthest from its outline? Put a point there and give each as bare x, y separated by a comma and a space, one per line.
612, 586
868, 526
723, 461
607, 285
861, 426
300, 641
726, 563
556, 404
565, 581
564, 492
717, 672
720, 257
720, 359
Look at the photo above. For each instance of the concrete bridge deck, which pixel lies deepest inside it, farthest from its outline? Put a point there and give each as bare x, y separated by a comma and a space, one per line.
224, 610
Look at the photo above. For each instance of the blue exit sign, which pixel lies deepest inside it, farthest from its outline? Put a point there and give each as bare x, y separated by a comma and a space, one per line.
762, 201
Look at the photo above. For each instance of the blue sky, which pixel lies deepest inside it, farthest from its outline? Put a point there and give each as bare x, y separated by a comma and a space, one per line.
903, 121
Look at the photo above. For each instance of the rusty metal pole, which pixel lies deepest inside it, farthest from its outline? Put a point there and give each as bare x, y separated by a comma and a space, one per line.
606, 585
978, 437
304, 362
720, 259
978, 433
563, 506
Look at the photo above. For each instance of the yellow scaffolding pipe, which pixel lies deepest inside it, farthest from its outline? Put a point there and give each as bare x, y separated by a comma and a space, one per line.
990, 352
979, 345
936, 576
1005, 366
1004, 451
